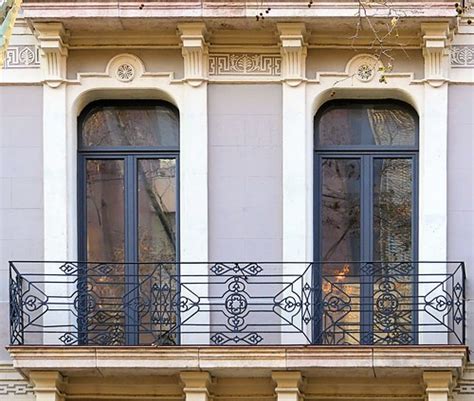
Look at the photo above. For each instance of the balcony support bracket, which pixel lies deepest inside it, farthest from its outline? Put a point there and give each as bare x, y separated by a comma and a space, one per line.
439, 385
288, 385
48, 385
196, 385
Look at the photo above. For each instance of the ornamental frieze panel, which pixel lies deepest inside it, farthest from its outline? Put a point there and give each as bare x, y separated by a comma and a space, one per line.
462, 56
22, 56
245, 64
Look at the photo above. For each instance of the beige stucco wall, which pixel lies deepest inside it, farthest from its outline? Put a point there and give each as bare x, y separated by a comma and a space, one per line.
335, 60
156, 60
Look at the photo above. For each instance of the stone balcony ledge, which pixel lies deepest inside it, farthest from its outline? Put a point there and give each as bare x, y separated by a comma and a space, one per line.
238, 361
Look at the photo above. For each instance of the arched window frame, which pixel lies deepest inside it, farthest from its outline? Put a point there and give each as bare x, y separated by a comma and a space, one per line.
405, 151
110, 152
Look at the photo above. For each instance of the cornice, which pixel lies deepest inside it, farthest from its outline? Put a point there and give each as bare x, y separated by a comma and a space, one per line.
209, 9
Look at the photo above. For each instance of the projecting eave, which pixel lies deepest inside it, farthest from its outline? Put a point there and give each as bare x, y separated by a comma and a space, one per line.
338, 361
156, 22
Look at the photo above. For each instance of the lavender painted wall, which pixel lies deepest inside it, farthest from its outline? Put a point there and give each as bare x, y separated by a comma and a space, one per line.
461, 188
21, 187
245, 172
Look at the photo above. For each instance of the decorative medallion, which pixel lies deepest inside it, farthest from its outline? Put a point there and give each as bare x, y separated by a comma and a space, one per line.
365, 72
125, 72
363, 67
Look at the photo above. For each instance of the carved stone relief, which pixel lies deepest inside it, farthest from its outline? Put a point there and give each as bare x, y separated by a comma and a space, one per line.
245, 64
462, 56
22, 56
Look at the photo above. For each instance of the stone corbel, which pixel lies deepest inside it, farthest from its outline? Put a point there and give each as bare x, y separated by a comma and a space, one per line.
53, 52
436, 38
196, 385
48, 385
288, 385
439, 385
195, 52
293, 52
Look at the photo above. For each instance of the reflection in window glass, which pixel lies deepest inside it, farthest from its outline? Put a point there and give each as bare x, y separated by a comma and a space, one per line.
128, 125
370, 125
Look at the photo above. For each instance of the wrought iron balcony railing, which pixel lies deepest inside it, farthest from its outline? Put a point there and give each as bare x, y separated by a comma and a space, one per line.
372, 303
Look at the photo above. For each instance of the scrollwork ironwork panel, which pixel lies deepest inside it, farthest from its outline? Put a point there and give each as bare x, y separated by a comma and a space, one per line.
118, 304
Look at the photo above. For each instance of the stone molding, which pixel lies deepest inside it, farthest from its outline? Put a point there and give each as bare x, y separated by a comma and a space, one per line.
22, 56
196, 385
53, 52
195, 52
48, 385
439, 385
462, 56
288, 385
245, 64
175, 359
436, 40
293, 52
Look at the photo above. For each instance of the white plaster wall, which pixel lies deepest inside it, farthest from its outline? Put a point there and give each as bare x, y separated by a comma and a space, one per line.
21, 194
461, 189
335, 60
245, 172
157, 60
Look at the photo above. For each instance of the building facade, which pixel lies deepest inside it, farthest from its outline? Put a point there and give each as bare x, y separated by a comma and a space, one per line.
237, 201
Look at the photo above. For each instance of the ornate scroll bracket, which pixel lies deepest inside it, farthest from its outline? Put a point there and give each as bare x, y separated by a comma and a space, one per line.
53, 52
436, 38
195, 52
293, 52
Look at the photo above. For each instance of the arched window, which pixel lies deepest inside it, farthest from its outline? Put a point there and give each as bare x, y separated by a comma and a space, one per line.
365, 175
128, 159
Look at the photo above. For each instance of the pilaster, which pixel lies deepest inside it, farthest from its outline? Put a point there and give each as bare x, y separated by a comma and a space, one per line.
288, 385
47, 385
193, 161
196, 385
439, 385
195, 52
293, 52
296, 149
53, 52
436, 37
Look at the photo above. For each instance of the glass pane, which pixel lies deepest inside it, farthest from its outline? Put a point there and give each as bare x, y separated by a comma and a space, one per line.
105, 242
340, 214
393, 209
393, 283
157, 210
130, 125
366, 124
340, 241
105, 210
157, 243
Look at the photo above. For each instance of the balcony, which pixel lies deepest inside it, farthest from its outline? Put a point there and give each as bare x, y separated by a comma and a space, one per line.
250, 304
